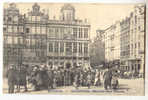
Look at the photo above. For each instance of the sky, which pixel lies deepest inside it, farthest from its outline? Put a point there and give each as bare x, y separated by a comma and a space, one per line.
99, 15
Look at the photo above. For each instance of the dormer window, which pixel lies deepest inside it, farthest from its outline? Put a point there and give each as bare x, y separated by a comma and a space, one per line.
36, 7
68, 12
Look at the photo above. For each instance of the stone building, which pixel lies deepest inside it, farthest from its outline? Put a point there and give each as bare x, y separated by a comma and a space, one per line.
62, 42
124, 41
68, 40
13, 35
133, 43
35, 28
111, 39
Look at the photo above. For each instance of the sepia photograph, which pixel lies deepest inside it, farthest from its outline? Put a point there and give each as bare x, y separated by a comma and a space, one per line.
74, 48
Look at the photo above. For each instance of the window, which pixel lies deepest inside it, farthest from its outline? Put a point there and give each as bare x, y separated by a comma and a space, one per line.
50, 30
68, 48
56, 46
75, 32
28, 42
112, 37
29, 18
62, 32
37, 30
86, 33
19, 40
74, 47
112, 48
15, 29
131, 46
80, 47
138, 66
80, 32
139, 44
9, 40
57, 32
21, 29
33, 18
50, 47
4, 18
85, 48
61, 47
27, 30
42, 53
43, 30
51, 33
33, 30
135, 19
9, 28
37, 53
4, 29
16, 40
139, 28
15, 18
9, 19
38, 18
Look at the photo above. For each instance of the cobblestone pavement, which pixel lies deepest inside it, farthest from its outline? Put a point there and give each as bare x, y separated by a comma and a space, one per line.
126, 87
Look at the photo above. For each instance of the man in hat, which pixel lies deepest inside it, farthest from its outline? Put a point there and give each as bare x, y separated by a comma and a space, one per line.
22, 77
11, 79
76, 81
89, 80
107, 79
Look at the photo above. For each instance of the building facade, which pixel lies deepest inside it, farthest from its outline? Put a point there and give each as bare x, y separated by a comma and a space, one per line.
68, 40
111, 40
124, 41
133, 41
63, 42
13, 35
125, 38
35, 26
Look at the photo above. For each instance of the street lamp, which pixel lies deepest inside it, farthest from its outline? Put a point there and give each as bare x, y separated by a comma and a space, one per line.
21, 45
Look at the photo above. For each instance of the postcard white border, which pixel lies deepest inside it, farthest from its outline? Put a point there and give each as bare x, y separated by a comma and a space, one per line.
69, 97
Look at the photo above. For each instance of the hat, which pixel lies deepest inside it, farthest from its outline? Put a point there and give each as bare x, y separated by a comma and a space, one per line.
42, 66
35, 68
11, 67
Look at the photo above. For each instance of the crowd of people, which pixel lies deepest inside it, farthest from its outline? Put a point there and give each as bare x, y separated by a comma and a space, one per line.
48, 77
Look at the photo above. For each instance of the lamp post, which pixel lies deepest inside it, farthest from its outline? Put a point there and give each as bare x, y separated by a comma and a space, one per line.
21, 46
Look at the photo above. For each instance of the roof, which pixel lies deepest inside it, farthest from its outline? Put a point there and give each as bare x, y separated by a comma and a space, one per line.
67, 7
12, 7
